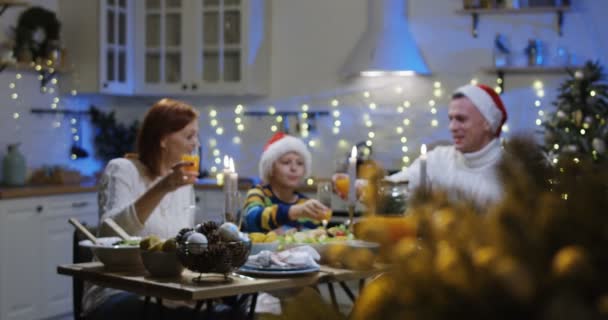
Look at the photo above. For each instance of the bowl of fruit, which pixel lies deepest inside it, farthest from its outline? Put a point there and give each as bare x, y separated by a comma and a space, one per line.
212, 248
319, 239
160, 257
263, 241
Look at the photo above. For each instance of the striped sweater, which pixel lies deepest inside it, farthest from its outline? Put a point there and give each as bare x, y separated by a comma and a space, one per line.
265, 212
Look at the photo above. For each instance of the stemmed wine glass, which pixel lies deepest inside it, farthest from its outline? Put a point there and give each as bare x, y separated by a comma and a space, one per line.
324, 195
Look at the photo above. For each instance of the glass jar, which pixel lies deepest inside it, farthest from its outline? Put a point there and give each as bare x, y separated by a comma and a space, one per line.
392, 198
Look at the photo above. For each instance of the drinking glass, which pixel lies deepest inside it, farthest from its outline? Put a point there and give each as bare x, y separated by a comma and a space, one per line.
343, 185
194, 158
324, 195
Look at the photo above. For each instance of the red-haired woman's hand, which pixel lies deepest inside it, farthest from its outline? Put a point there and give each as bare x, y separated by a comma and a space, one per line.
178, 177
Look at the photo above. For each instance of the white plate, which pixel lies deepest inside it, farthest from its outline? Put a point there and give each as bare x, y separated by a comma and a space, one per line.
260, 246
275, 267
277, 273
107, 242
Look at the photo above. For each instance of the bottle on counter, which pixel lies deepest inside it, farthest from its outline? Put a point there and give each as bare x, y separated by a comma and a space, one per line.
13, 165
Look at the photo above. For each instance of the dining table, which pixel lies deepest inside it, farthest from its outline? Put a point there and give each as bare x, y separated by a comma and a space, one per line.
189, 287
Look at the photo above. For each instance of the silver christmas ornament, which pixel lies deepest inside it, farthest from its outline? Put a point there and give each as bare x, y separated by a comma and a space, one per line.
571, 148
598, 145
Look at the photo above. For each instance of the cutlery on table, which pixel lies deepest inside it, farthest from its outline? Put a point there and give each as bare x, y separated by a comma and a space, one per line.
83, 229
116, 228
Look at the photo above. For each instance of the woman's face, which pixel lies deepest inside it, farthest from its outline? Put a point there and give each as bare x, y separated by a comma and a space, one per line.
288, 170
180, 142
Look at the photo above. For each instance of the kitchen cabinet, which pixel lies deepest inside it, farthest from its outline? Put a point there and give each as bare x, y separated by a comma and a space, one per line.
193, 47
36, 237
99, 39
167, 47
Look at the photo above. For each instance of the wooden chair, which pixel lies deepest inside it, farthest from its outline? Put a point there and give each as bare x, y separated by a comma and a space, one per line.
79, 254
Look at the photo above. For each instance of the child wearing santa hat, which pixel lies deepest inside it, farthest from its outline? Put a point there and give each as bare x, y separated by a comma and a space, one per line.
276, 203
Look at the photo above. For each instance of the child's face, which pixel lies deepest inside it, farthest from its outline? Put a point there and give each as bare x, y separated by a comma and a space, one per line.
288, 170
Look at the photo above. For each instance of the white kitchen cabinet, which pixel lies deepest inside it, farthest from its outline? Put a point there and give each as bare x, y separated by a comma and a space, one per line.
57, 249
21, 247
167, 47
99, 39
35, 238
193, 47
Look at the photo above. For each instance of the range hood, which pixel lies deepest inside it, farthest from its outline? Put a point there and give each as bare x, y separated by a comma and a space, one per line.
386, 47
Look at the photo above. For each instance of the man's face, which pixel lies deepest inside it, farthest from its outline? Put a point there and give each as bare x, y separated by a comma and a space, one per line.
470, 130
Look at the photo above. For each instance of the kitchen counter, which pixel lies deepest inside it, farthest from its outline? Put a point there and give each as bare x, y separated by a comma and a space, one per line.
49, 190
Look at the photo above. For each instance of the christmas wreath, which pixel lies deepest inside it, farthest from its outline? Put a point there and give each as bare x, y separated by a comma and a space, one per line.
37, 32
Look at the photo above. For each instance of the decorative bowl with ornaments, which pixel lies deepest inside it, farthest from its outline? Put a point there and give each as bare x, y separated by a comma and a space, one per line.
212, 248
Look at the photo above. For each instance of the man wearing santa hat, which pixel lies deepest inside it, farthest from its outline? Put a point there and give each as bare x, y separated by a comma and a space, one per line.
469, 166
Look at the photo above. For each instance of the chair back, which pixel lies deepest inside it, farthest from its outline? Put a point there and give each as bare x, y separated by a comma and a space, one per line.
79, 254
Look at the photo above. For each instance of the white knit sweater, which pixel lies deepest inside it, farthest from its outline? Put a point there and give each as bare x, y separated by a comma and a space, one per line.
122, 183
474, 174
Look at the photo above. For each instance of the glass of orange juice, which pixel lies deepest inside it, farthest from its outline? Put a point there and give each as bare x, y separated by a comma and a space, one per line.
343, 185
194, 158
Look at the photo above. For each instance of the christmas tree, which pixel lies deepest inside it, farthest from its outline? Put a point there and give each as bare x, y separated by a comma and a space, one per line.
579, 127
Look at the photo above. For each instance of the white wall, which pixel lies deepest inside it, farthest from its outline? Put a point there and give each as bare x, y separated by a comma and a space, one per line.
310, 41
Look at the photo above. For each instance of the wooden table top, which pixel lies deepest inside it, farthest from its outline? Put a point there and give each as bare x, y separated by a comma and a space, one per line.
182, 287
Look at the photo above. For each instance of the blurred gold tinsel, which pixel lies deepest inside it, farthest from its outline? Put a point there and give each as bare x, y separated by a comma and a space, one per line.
542, 253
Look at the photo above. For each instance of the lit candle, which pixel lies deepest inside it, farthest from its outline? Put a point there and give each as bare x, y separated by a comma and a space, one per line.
352, 175
232, 213
423, 166
233, 178
226, 188
226, 173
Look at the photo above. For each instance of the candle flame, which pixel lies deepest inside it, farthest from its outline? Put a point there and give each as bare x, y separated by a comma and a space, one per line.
353, 152
232, 169
226, 162
423, 149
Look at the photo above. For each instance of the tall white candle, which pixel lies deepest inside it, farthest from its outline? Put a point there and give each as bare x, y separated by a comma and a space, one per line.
233, 178
226, 174
423, 166
352, 175
226, 188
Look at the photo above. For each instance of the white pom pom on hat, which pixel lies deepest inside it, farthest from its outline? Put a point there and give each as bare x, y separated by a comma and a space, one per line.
489, 104
278, 145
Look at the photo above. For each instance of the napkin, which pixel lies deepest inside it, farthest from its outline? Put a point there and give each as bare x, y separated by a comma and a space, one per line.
301, 256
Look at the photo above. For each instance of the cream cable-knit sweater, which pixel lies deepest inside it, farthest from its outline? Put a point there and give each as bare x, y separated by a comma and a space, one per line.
474, 174
122, 183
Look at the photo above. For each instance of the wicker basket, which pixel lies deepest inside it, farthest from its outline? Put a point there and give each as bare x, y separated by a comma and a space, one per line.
222, 257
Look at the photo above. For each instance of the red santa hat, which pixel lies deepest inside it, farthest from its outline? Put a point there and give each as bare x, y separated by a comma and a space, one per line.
278, 145
488, 103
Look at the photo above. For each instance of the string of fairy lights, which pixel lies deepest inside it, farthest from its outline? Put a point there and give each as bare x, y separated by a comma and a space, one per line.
336, 105
49, 86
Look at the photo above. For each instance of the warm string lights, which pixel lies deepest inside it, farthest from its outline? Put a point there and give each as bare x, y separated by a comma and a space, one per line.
305, 116
74, 126
238, 123
303, 121
540, 94
15, 95
213, 145
335, 113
